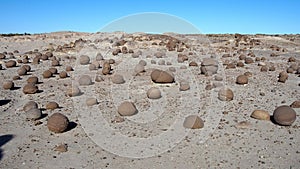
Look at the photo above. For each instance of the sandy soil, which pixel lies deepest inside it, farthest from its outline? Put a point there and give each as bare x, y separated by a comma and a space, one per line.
98, 137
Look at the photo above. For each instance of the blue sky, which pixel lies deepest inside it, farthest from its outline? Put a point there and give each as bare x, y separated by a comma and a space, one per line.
231, 16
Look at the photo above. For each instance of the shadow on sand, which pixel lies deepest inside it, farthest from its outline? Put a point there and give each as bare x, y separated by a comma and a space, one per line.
3, 140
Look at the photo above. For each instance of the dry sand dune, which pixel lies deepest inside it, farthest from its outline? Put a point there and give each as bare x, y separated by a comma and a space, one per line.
117, 100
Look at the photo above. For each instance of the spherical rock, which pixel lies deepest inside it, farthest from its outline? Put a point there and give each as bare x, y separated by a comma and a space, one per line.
30, 105
240, 64
84, 59
193, 122
184, 86
10, 63
57, 123
85, 80
153, 93
283, 76
16, 77
8, 85
55, 63
111, 61
127, 108
248, 60
264, 69
33, 80
260, 115
33, 114
47, 74
225, 94
92, 67
91, 101
51, 105
30, 89
118, 79
99, 57
242, 79
143, 62
73, 91
284, 115
98, 78
160, 76
295, 104
27, 67
63, 74
193, 63
69, 68
139, 68
209, 66
53, 70
22, 71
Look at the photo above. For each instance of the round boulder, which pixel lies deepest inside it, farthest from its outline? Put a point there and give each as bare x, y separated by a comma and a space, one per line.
260, 115
225, 94
127, 109
30, 89
8, 85
84, 59
160, 76
284, 115
193, 122
153, 93
242, 79
85, 80
57, 123
118, 79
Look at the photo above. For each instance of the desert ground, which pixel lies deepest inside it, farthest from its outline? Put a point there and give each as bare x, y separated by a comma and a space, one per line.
242, 93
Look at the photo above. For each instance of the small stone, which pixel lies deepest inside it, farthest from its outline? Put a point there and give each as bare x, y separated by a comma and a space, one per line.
63, 74
248, 74
22, 71
30, 89
10, 64
61, 148
84, 59
242, 79
249, 60
193, 63
99, 57
160, 76
264, 69
33, 80
127, 109
295, 104
231, 66
99, 78
8, 85
91, 101
118, 119
243, 125
240, 64
184, 86
33, 114
57, 123
85, 80
284, 115
69, 68
30, 105
16, 78
92, 67
143, 62
260, 115
73, 91
139, 68
55, 63
225, 94
118, 79
53, 70
153, 93
193, 122
47, 74
283, 76
52, 106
